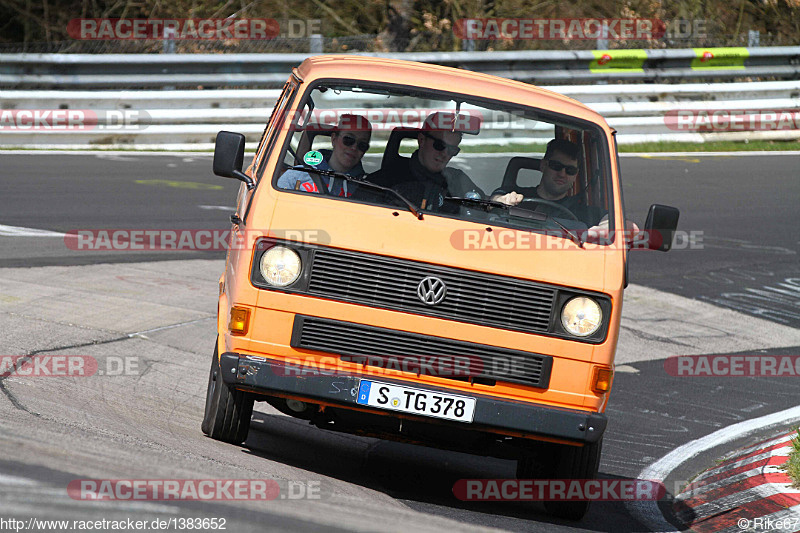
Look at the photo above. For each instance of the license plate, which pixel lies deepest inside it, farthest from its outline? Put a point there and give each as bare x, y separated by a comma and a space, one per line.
416, 401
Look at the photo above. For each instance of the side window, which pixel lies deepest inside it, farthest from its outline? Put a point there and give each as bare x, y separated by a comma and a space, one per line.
299, 125
595, 184
267, 139
529, 178
241, 198
274, 124
619, 177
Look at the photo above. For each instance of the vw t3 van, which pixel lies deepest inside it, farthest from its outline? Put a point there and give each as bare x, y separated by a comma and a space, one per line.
422, 304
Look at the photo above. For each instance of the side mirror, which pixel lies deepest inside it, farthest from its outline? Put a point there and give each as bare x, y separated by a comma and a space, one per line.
229, 157
660, 226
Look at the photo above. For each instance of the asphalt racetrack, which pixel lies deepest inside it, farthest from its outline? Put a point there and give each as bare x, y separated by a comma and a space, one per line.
731, 286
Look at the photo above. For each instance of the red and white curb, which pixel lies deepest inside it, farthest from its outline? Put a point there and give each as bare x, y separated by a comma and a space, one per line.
748, 491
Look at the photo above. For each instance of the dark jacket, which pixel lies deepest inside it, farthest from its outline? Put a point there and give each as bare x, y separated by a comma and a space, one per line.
420, 186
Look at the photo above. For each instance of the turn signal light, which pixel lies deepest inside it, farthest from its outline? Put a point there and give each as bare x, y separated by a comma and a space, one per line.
240, 316
602, 379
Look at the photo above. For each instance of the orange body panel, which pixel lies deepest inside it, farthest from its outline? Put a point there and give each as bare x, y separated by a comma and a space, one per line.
398, 234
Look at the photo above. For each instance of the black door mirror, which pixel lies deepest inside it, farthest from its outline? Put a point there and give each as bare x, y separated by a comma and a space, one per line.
660, 226
229, 157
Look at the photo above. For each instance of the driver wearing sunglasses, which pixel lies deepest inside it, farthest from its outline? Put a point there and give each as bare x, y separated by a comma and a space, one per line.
424, 178
350, 142
559, 169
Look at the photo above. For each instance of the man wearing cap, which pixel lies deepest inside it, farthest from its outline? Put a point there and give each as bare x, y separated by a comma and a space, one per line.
425, 179
350, 141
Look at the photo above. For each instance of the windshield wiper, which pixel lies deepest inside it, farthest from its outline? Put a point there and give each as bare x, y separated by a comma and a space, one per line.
518, 212
361, 181
477, 201
574, 238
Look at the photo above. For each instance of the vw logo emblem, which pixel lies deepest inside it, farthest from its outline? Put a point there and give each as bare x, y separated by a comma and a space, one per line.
431, 290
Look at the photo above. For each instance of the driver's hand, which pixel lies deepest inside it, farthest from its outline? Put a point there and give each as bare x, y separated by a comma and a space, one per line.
598, 232
512, 198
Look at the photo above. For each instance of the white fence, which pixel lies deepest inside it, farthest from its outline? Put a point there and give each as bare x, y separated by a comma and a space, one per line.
191, 119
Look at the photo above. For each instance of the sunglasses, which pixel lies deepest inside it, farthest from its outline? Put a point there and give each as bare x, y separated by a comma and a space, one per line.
558, 166
440, 145
349, 140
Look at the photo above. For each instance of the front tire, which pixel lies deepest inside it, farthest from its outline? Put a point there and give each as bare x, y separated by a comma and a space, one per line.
563, 462
575, 463
228, 411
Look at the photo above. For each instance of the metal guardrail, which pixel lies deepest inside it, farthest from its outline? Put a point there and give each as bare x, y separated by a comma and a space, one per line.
191, 119
118, 71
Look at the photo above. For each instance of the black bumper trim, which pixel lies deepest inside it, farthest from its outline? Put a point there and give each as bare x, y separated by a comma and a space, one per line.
259, 375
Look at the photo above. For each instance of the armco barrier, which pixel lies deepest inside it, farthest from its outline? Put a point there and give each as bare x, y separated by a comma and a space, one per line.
121, 71
191, 119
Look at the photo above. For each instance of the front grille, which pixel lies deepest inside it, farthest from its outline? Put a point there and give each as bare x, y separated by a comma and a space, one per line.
472, 297
357, 342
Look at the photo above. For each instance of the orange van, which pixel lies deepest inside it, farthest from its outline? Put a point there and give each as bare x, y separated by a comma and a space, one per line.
429, 255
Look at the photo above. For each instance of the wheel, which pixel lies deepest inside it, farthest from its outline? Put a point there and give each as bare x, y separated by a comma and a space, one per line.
563, 462
228, 411
575, 463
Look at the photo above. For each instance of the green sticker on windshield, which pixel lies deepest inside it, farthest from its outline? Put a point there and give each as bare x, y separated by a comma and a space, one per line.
312, 158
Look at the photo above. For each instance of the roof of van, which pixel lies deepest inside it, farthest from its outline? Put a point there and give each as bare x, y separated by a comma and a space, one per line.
402, 72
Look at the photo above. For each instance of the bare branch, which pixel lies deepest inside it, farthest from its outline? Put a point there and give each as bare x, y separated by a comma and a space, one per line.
335, 16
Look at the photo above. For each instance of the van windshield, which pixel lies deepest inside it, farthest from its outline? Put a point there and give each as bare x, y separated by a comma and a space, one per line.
450, 155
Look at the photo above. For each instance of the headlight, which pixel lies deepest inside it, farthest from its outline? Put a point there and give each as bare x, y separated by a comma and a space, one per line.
280, 266
581, 316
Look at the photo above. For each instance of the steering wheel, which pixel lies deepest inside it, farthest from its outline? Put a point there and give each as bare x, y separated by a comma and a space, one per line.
553, 205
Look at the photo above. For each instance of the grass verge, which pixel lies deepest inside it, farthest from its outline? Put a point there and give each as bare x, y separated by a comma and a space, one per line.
713, 146
793, 464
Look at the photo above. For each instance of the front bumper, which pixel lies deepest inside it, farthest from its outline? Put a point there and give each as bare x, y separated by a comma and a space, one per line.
259, 375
